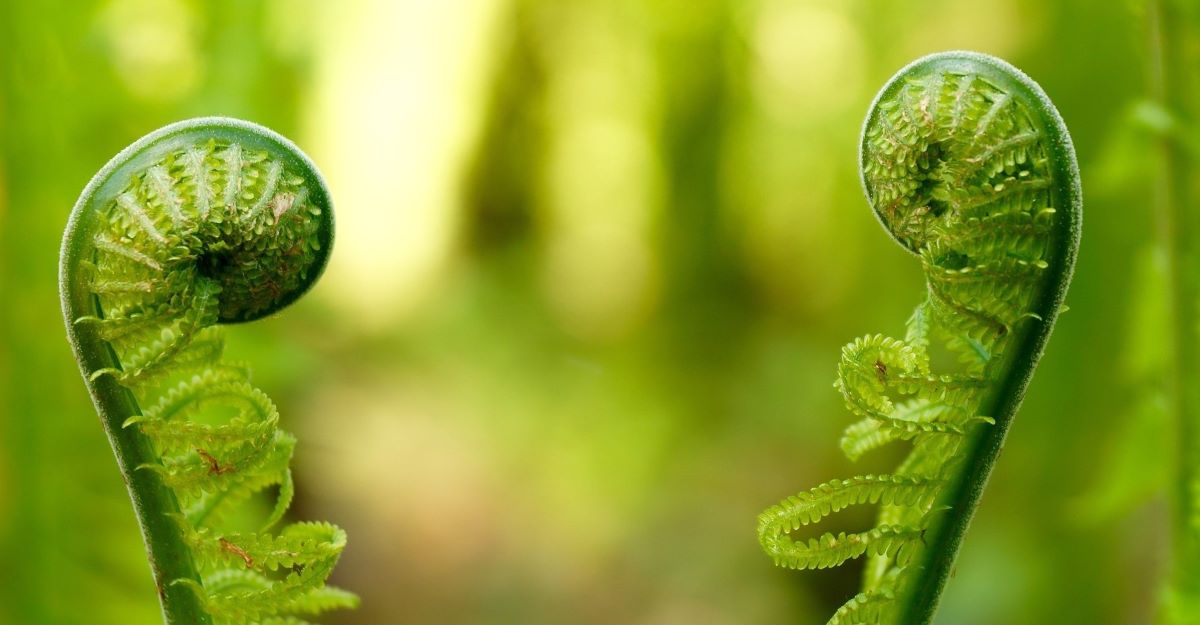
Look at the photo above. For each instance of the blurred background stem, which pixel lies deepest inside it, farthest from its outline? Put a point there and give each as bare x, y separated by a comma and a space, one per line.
1173, 65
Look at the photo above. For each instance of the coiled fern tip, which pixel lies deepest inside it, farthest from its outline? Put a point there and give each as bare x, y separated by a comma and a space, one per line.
203, 222
967, 165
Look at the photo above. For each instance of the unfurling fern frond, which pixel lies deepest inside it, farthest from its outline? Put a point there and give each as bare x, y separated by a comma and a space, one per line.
203, 222
968, 165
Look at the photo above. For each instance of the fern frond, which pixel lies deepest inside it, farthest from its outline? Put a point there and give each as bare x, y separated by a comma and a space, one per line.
830, 550
821, 501
298, 544
865, 608
968, 166
206, 222
907, 421
157, 358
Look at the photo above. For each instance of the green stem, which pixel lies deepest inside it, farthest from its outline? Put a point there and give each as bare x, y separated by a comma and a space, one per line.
153, 502
946, 536
942, 549
946, 539
289, 259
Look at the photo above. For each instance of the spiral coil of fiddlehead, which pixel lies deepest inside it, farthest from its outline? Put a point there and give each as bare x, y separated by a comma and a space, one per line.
203, 222
967, 165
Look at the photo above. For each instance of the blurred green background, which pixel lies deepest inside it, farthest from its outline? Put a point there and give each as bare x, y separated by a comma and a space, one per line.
595, 263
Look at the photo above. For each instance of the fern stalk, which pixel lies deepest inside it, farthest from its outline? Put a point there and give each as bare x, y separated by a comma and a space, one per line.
1005, 399
968, 165
207, 221
153, 502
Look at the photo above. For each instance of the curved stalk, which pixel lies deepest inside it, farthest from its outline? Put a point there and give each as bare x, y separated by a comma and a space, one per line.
154, 503
962, 500
967, 165
207, 221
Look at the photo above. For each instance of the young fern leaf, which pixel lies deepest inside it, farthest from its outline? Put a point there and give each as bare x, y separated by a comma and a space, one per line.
968, 165
200, 223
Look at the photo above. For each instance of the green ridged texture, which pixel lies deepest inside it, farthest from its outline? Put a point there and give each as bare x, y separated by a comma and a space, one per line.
967, 165
202, 222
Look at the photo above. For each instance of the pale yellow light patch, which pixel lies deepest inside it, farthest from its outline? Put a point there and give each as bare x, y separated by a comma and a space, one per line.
152, 45
999, 27
809, 58
601, 181
600, 272
395, 114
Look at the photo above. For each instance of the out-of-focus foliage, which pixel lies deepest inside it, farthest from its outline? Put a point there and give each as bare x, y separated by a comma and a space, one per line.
595, 260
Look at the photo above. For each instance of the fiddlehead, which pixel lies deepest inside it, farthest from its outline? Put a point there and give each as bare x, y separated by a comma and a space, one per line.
968, 165
202, 222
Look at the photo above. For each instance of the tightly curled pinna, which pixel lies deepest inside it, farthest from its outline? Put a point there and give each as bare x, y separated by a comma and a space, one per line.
203, 222
968, 165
